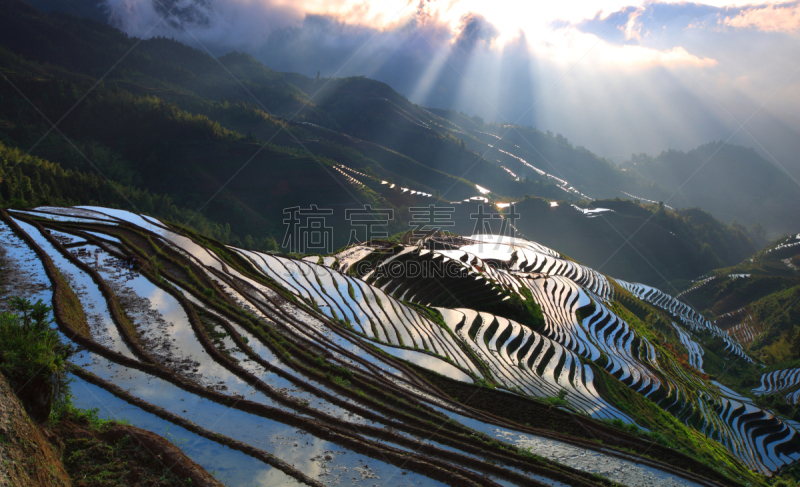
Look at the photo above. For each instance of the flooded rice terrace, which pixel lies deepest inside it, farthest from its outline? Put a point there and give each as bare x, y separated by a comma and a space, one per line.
235, 358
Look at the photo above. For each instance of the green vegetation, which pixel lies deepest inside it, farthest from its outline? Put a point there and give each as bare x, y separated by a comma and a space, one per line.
31, 355
780, 342
621, 425
734, 181
558, 400
586, 311
99, 452
30, 181
94, 452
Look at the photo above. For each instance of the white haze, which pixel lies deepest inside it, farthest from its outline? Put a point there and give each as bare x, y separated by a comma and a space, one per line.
615, 80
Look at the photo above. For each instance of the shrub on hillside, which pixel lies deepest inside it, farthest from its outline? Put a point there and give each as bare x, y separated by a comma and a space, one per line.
31, 355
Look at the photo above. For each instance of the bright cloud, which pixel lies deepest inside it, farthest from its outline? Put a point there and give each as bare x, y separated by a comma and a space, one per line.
767, 18
633, 29
617, 78
642, 57
569, 46
548, 29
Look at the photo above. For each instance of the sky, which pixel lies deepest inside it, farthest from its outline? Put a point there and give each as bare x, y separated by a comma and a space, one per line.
615, 77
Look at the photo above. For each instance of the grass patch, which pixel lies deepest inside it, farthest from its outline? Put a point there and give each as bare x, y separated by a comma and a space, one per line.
559, 400
101, 453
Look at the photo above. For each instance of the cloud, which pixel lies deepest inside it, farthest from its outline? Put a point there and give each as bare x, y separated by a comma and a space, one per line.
633, 30
235, 23
474, 29
617, 79
569, 45
642, 57
767, 18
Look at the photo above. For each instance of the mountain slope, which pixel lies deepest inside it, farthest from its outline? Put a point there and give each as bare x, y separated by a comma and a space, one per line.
757, 301
591, 315
656, 246
731, 182
284, 344
171, 120
734, 185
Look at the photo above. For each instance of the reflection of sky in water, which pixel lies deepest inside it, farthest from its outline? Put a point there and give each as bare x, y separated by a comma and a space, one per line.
66, 238
277, 381
185, 243
179, 331
174, 314
229, 466
427, 361
298, 448
121, 214
31, 271
77, 212
94, 304
104, 236
619, 470
271, 478
624, 472
62, 218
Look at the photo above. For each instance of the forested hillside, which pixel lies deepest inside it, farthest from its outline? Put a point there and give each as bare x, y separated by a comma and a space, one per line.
365, 288
733, 183
231, 144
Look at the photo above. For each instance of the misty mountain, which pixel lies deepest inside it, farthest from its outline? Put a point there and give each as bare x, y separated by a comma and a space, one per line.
734, 183
218, 135
337, 272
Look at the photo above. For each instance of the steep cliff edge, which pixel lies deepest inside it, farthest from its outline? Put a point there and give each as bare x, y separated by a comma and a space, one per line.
27, 456
81, 450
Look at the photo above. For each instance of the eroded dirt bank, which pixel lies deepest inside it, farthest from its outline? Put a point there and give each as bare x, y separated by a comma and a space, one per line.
26, 455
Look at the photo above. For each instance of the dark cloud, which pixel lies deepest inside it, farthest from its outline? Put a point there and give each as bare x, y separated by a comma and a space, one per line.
473, 29
178, 14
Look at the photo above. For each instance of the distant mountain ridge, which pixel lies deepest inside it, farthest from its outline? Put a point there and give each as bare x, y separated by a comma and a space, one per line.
736, 184
731, 182
172, 121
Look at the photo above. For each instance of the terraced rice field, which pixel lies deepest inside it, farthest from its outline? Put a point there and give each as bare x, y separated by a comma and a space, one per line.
745, 332
356, 177
739, 324
697, 286
694, 351
779, 381
791, 244
639, 198
562, 184
727, 320
684, 312
525, 360
295, 372
760, 439
498, 268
